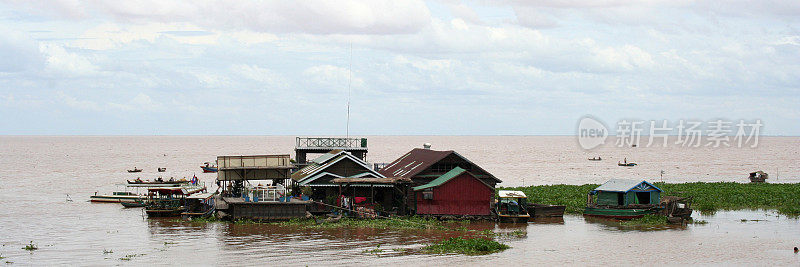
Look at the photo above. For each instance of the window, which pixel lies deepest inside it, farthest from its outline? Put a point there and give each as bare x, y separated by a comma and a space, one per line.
427, 194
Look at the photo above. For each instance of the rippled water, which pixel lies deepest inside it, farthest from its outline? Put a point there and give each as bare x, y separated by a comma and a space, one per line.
41, 171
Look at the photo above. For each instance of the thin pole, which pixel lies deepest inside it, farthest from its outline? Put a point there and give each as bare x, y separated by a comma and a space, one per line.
349, 85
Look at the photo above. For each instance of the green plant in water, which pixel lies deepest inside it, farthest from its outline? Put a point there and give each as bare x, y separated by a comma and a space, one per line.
31, 247
107, 251
708, 197
699, 222
467, 246
647, 220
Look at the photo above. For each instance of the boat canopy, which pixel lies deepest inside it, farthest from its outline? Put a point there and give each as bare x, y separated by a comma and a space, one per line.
511, 194
624, 185
201, 196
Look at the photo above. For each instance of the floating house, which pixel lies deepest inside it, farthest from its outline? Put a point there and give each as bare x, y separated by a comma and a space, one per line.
340, 173
423, 165
427, 169
457, 192
621, 192
240, 198
623, 199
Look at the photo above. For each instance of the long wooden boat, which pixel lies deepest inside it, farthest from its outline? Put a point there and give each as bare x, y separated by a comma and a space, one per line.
135, 204
628, 164
620, 213
116, 197
542, 210
135, 170
208, 169
157, 183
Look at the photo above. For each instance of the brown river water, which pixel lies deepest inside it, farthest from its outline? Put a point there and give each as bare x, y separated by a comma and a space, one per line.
41, 173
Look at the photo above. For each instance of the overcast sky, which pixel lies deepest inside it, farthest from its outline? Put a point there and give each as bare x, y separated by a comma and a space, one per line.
208, 67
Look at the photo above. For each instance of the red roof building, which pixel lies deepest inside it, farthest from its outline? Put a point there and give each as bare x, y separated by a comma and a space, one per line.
457, 192
424, 165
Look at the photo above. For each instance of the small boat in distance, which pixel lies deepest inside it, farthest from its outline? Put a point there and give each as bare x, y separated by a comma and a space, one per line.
596, 159
511, 207
162, 169
208, 167
758, 177
135, 170
626, 163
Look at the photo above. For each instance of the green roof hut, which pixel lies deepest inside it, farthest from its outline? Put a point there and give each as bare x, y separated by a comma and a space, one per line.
623, 199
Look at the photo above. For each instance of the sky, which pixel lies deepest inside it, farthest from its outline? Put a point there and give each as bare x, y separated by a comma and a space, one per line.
208, 67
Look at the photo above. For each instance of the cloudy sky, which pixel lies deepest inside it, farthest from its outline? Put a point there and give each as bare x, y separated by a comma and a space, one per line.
426, 68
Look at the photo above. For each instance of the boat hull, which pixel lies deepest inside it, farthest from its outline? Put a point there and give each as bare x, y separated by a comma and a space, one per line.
133, 204
621, 214
513, 218
539, 210
115, 199
208, 169
163, 213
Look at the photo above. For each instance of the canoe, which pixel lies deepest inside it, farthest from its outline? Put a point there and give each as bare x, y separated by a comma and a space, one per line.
135, 170
137, 204
541, 210
209, 169
629, 164
619, 213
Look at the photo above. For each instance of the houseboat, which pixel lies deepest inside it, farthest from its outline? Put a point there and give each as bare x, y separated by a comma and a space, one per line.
510, 207
623, 199
169, 201
199, 205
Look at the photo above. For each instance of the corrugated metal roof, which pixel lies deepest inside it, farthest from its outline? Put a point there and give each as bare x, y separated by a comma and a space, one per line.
442, 179
625, 185
420, 159
413, 162
327, 156
307, 174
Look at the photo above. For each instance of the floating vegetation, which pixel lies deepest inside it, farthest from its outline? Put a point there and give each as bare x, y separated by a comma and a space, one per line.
647, 220
107, 251
130, 256
31, 247
708, 197
700, 222
374, 251
467, 246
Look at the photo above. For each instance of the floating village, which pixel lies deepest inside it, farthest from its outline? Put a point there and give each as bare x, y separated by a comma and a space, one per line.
330, 177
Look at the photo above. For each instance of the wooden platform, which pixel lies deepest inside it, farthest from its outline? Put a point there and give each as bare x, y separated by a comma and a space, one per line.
265, 210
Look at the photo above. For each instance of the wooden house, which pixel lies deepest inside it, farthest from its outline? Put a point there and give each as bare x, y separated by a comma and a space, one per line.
621, 192
423, 165
340, 173
457, 192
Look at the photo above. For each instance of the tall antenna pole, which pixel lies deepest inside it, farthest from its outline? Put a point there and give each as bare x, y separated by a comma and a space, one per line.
349, 85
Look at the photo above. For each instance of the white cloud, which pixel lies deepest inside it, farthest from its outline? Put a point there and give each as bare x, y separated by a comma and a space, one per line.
319, 17
18, 52
61, 61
